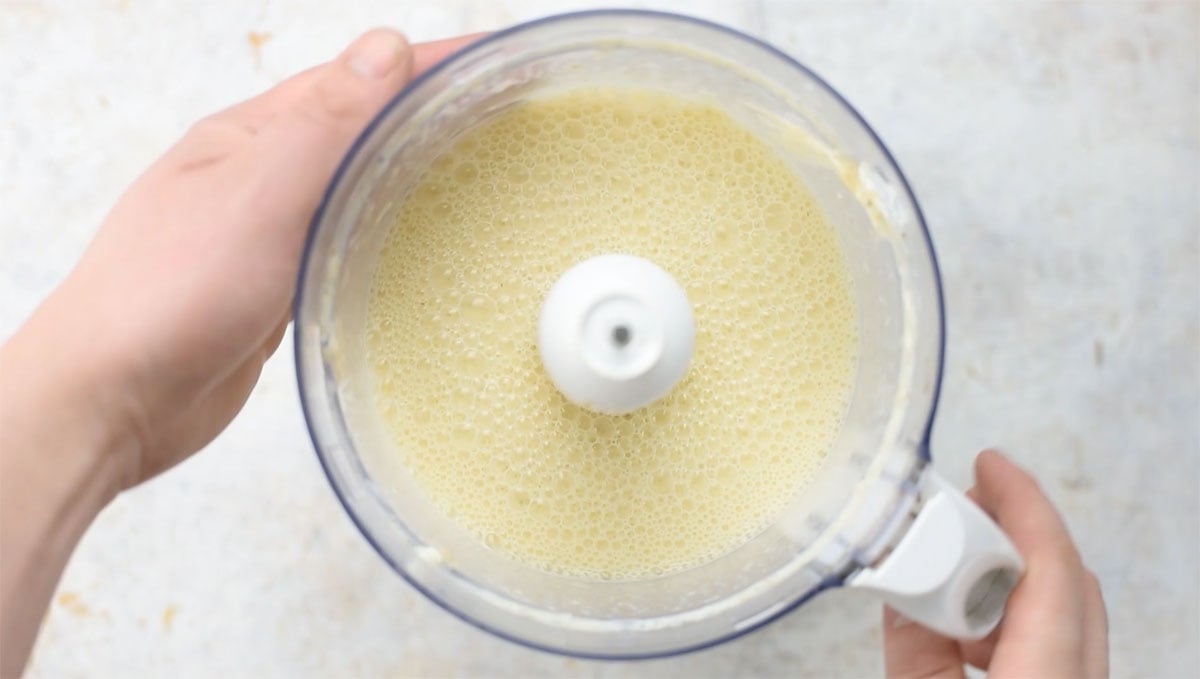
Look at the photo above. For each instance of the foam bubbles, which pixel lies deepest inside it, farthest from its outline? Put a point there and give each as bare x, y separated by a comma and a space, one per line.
453, 318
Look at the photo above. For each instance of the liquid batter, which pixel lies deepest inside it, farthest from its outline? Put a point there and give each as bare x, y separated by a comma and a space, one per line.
452, 329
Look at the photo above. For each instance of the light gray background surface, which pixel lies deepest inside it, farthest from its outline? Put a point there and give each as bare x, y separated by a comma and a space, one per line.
1055, 148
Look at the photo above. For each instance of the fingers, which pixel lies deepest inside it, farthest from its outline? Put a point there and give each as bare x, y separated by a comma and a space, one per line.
1055, 623
1095, 639
346, 93
328, 81
1014, 499
276, 336
293, 136
1043, 629
979, 653
252, 115
911, 650
284, 170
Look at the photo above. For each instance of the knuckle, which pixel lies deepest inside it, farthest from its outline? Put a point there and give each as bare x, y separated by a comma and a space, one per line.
207, 141
334, 102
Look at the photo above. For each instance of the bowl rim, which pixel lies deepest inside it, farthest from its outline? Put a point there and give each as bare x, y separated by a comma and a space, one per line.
351, 155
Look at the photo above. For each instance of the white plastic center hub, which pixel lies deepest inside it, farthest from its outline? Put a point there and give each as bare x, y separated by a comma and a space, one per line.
615, 333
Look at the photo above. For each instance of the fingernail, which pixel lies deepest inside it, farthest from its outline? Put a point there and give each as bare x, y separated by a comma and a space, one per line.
377, 54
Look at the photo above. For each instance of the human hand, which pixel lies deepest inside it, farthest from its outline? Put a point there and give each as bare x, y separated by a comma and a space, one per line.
1054, 624
155, 340
186, 289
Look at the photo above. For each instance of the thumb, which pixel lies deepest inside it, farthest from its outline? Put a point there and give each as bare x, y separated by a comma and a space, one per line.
296, 153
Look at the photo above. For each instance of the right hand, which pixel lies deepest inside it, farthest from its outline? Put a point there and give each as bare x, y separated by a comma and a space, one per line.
1054, 624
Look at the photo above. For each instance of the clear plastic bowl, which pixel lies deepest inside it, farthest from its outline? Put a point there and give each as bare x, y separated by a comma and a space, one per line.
844, 519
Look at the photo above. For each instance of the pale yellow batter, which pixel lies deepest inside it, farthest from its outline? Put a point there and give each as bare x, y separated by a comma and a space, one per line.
453, 321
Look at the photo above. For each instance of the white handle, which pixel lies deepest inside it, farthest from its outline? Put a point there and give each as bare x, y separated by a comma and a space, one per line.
954, 568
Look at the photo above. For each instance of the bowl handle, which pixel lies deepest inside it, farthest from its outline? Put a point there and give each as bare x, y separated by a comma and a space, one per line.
952, 570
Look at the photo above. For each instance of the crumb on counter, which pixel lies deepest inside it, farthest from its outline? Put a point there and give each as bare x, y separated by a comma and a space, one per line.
71, 602
168, 616
257, 40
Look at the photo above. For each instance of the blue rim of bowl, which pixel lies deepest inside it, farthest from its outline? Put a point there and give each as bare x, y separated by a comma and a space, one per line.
351, 154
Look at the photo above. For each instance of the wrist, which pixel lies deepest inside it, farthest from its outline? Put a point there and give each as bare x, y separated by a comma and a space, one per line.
64, 455
61, 409
67, 400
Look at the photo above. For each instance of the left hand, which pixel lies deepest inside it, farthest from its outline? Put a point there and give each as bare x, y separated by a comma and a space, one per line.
186, 289
153, 343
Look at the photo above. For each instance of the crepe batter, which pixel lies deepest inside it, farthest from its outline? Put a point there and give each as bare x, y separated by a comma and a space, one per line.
452, 327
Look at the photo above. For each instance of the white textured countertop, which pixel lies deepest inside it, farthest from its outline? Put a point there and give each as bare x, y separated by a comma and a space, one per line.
1055, 148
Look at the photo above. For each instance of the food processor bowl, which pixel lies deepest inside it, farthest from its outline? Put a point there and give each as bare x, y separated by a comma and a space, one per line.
865, 502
